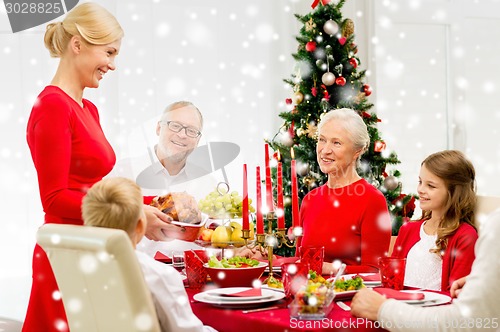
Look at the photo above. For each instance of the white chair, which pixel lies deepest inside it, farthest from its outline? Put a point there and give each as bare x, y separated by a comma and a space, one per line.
10, 325
486, 205
100, 280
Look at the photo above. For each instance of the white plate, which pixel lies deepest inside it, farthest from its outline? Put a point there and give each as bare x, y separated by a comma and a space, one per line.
225, 303
367, 283
218, 294
430, 298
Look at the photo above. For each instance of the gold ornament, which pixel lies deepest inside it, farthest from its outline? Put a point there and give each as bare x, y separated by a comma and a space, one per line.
347, 28
312, 130
298, 97
300, 132
310, 25
309, 181
359, 97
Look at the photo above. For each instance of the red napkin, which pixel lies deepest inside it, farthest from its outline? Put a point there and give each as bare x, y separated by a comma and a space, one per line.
397, 295
245, 293
370, 277
159, 256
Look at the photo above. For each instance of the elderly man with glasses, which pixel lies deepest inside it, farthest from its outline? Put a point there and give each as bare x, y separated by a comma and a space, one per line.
179, 131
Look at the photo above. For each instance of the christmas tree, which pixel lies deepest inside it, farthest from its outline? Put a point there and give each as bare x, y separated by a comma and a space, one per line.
327, 76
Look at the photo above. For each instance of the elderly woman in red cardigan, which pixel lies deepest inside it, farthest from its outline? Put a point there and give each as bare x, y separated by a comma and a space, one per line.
439, 249
347, 215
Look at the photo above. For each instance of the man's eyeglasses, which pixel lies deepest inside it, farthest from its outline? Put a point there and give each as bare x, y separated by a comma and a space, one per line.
177, 127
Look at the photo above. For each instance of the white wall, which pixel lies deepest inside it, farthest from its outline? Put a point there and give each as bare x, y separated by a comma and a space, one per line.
229, 58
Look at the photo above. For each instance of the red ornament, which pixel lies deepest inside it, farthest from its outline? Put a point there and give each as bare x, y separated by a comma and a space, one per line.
314, 91
326, 96
310, 46
342, 40
367, 89
366, 115
379, 146
291, 130
353, 62
288, 101
340, 81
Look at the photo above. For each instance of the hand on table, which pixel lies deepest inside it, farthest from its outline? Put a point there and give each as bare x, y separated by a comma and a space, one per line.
456, 287
366, 303
157, 221
255, 253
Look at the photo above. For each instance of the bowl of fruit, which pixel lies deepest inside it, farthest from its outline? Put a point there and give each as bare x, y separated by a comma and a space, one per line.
235, 271
224, 226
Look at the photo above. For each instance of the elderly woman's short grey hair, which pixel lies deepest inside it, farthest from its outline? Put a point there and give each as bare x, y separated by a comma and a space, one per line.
353, 123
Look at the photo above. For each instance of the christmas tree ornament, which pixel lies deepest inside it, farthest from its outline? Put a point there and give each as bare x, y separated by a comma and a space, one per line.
320, 63
302, 168
328, 78
391, 183
342, 41
347, 28
298, 97
331, 27
312, 130
310, 46
339, 68
379, 146
285, 138
300, 132
288, 101
314, 91
366, 89
319, 39
340, 81
353, 62
309, 181
310, 25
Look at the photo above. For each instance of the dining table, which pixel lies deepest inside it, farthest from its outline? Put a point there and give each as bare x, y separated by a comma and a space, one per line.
276, 320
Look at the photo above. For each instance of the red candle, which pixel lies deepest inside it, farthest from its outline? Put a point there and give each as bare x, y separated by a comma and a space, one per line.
281, 216
269, 186
295, 195
245, 199
260, 220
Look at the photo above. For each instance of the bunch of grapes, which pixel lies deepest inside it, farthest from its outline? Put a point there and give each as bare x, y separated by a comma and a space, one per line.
223, 205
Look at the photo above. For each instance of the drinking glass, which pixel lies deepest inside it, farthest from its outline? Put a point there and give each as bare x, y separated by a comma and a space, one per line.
293, 276
178, 260
195, 271
392, 272
313, 256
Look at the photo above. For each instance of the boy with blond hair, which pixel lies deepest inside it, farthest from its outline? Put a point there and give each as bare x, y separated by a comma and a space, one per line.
117, 203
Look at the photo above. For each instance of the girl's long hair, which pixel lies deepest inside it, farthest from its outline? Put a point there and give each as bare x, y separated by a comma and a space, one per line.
459, 175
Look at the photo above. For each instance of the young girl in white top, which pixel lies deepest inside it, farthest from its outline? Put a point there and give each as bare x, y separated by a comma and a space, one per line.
439, 248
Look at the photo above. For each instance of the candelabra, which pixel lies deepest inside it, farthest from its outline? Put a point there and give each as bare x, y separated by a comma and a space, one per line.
268, 241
